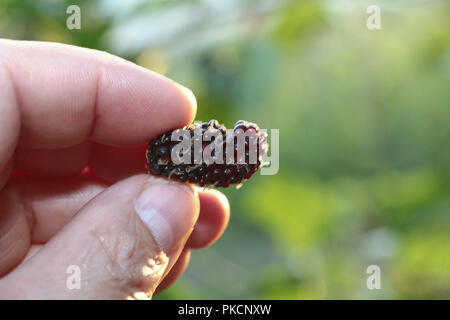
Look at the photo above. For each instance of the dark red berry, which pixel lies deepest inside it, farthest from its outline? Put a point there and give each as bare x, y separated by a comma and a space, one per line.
161, 159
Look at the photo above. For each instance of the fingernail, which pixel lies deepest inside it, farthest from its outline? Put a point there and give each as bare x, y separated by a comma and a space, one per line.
168, 210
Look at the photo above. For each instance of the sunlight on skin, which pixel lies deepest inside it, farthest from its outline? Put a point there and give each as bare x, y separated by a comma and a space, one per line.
154, 269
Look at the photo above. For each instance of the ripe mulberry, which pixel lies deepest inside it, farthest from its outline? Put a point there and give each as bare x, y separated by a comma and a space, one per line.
207, 154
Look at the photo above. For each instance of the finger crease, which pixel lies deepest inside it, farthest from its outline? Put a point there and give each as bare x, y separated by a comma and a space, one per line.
17, 104
95, 108
96, 99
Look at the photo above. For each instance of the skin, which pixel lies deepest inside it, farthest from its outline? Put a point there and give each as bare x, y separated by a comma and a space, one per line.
74, 124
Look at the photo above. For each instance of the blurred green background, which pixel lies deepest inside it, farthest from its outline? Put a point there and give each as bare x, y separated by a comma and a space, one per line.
364, 119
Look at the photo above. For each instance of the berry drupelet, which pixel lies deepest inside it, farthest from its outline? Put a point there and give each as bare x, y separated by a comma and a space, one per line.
230, 166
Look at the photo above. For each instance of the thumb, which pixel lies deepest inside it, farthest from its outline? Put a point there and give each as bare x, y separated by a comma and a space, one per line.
119, 245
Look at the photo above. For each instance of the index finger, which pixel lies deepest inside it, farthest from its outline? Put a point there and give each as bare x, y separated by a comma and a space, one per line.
67, 94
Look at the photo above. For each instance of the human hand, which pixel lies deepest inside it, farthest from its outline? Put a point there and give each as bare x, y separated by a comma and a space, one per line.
63, 109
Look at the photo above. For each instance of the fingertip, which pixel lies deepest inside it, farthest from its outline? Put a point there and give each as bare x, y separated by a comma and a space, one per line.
215, 201
190, 103
223, 200
213, 219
